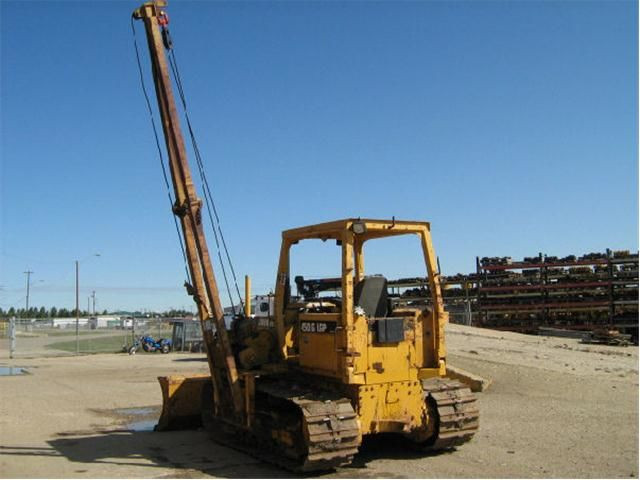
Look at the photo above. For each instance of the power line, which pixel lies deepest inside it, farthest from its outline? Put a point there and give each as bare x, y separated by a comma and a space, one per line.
209, 202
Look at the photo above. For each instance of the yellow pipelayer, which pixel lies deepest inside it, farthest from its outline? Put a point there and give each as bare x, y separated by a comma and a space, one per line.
383, 375
388, 363
303, 393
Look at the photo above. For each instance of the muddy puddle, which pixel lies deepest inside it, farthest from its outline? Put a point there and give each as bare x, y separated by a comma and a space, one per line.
142, 426
136, 411
12, 371
139, 419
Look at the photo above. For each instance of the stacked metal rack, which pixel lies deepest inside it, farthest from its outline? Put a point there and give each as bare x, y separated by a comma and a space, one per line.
460, 293
594, 290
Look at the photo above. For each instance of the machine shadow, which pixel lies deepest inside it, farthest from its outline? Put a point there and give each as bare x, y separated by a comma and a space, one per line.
188, 450
191, 359
191, 452
387, 446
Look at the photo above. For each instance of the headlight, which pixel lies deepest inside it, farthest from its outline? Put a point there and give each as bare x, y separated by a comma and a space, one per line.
358, 228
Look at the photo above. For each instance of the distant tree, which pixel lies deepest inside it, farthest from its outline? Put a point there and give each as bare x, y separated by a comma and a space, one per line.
63, 313
42, 313
11, 312
104, 312
53, 313
176, 313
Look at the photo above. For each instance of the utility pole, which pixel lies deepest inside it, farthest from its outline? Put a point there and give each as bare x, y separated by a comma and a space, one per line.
93, 295
12, 336
77, 312
78, 303
28, 274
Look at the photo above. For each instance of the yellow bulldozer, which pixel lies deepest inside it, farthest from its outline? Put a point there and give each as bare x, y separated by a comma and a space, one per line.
335, 363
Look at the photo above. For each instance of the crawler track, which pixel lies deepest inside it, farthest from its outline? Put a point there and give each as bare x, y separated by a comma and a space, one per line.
303, 429
454, 407
296, 428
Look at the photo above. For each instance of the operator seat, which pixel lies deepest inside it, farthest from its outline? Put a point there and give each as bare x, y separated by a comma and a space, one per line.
371, 295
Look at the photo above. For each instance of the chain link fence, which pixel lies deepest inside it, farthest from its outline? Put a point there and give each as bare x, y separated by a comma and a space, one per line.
462, 312
31, 338
24, 338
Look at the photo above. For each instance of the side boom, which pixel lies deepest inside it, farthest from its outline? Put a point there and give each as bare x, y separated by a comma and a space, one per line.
187, 208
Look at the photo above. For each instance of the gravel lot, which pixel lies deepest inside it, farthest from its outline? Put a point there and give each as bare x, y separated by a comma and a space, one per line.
556, 408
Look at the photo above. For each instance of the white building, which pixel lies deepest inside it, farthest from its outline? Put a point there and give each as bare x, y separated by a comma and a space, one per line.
69, 322
104, 321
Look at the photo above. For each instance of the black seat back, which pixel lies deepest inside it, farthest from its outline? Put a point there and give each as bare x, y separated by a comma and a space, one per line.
371, 295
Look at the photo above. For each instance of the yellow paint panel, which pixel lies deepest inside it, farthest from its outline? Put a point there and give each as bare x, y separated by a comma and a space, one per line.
318, 350
360, 337
425, 373
390, 407
388, 363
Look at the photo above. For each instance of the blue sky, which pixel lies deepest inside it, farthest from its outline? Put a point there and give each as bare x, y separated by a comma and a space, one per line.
511, 126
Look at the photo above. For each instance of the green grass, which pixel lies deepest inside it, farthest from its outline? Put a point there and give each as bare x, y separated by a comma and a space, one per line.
110, 344
103, 344
71, 331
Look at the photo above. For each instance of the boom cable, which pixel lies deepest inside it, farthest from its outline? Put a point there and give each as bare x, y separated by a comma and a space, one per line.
210, 203
161, 156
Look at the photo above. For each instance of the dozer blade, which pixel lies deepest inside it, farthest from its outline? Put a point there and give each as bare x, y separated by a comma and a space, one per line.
181, 401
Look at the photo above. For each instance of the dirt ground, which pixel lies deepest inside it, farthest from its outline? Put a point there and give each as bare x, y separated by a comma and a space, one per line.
556, 408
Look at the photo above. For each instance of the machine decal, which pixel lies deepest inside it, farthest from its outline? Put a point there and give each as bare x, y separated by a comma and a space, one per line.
318, 327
